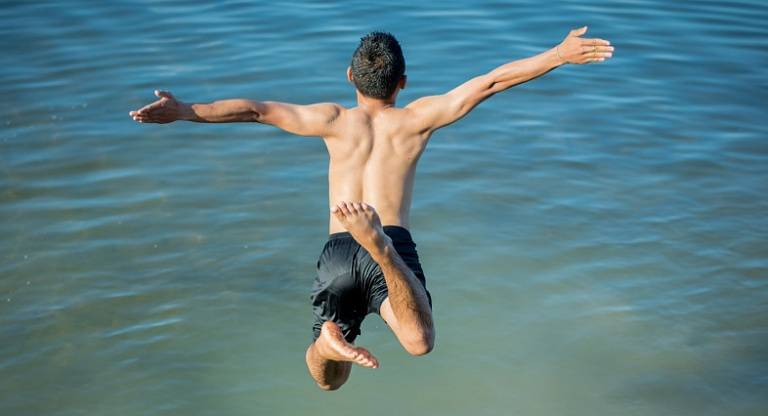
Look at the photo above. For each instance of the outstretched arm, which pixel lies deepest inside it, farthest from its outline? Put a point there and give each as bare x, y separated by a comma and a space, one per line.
442, 110
304, 120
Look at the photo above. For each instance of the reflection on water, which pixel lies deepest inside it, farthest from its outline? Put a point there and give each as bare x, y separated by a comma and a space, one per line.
595, 241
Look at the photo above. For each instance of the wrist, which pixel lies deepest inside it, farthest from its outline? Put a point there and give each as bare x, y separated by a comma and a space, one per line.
187, 112
557, 51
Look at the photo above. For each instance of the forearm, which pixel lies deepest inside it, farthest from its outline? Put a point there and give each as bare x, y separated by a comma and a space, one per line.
523, 70
225, 111
573, 50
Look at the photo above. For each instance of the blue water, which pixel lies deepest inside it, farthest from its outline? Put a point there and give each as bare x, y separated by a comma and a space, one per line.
595, 240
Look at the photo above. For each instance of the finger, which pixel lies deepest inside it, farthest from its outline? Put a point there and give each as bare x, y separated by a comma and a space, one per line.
578, 32
587, 49
603, 55
598, 42
604, 49
146, 109
596, 58
164, 94
598, 51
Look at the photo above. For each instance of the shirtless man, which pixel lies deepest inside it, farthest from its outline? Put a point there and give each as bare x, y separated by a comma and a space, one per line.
370, 263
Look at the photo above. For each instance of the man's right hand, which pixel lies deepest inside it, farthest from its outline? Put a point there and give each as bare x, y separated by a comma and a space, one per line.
577, 50
165, 110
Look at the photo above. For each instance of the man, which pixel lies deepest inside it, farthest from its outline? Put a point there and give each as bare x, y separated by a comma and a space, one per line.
369, 263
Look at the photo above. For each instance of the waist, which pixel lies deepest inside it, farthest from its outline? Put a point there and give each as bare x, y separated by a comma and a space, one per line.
395, 232
389, 214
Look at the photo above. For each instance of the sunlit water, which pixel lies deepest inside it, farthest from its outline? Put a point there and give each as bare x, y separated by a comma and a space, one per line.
595, 241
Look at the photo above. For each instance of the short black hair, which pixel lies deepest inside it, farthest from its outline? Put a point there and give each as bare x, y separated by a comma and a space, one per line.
378, 65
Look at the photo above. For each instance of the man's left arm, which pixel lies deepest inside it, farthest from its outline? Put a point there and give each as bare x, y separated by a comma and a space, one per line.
439, 111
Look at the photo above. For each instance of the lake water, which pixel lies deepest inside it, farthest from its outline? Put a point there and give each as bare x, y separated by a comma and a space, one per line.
596, 241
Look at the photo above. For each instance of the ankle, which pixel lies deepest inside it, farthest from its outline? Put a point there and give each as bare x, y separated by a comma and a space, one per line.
383, 251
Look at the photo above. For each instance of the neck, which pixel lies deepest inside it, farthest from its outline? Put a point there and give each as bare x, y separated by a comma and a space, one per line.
375, 104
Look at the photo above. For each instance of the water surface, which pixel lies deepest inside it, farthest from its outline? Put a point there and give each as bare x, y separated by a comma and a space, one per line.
595, 240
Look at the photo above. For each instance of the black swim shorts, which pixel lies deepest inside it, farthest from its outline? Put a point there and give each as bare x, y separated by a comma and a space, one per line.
350, 285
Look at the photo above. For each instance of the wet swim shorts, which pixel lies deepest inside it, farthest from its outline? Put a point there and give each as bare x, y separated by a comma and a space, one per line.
350, 285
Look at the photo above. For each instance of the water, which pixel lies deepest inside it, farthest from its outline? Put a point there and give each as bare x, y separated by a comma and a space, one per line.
595, 240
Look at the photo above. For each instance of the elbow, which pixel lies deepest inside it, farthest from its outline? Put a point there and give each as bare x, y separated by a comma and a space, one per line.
248, 111
254, 113
254, 117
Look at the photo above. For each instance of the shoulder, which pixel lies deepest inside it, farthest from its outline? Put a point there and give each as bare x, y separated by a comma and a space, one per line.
424, 112
327, 111
304, 120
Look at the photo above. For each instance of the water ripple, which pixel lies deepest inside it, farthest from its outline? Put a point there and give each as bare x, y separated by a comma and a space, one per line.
607, 221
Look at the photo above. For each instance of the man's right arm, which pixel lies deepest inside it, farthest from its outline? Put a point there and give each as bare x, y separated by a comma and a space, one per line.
438, 111
303, 120
168, 109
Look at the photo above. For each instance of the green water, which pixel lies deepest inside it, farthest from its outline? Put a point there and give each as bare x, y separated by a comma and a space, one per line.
594, 241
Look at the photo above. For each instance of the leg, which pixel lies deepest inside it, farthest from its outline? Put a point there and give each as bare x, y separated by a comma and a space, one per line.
406, 310
330, 358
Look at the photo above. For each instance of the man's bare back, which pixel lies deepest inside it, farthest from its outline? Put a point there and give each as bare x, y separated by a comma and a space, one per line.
374, 149
373, 156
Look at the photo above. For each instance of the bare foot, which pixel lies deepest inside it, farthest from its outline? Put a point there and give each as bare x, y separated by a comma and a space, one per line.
362, 221
332, 346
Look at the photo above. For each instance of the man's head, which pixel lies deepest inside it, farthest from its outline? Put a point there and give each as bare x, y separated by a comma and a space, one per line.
378, 65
